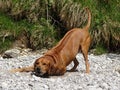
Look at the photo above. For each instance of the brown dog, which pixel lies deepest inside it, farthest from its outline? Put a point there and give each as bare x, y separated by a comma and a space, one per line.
55, 61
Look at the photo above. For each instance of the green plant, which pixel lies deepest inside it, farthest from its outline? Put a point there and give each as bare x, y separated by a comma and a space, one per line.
49, 19
43, 35
100, 49
5, 45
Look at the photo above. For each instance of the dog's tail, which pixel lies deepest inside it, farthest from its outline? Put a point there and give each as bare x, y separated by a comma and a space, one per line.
89, 19
24, 69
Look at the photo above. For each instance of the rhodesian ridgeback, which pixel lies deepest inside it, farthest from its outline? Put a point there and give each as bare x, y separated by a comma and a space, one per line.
55, 60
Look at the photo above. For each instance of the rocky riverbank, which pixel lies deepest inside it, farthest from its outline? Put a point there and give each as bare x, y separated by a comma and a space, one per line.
104, 75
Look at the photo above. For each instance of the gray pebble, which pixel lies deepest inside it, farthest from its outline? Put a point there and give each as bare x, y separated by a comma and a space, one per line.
104, 74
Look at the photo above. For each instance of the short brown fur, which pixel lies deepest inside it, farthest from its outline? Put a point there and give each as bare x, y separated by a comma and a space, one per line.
55, 61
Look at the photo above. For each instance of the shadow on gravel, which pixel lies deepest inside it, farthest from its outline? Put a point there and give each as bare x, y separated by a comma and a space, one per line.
42, 76
48, 76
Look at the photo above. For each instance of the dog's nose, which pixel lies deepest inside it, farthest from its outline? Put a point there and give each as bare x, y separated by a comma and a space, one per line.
37, 70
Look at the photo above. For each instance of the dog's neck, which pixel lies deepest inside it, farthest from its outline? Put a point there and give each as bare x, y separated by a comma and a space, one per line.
50, 57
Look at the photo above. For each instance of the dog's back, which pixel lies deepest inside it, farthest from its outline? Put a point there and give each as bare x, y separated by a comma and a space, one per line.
71, 43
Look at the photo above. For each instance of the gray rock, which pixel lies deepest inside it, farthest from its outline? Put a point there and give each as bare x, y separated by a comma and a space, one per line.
117, 68
12, 53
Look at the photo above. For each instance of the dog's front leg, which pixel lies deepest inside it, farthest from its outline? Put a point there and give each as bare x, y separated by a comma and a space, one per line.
76, 63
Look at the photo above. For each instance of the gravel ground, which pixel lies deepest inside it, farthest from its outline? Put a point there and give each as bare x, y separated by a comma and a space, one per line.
104, 75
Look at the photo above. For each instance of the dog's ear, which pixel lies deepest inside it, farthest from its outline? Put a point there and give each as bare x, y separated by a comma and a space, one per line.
54, 70
51, 70
57, 69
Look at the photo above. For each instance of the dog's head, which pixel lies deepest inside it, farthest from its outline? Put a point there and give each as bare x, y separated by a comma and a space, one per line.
42, 66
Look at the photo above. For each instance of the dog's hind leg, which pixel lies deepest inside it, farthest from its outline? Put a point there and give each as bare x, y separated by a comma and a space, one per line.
85, 48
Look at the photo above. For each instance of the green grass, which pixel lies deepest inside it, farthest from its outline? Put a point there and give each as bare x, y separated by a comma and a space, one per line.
6, 26
5, 45
100, 50
47, 19
15, 28
6, 23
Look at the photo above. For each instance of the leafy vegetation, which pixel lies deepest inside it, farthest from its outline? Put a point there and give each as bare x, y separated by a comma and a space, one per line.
46, 21
38, 35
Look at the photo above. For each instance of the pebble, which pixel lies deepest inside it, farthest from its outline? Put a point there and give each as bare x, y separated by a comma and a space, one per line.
104, 74
104, 86
35, 78
4, 85
94, 88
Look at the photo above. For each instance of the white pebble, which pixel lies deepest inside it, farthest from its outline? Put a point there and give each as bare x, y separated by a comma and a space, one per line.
4, 85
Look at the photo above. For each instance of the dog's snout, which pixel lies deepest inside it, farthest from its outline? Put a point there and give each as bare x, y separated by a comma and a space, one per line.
37, 70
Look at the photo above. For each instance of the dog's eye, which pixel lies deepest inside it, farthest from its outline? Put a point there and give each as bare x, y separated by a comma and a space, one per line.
37, 63
44, 63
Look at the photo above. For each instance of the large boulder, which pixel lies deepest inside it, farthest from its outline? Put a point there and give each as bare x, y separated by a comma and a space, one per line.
11, 53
